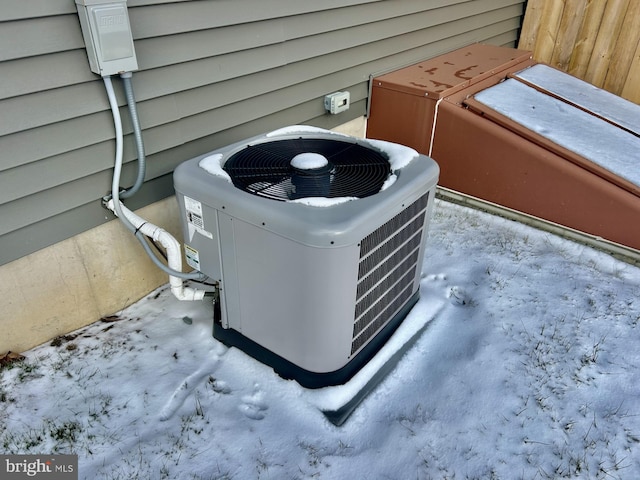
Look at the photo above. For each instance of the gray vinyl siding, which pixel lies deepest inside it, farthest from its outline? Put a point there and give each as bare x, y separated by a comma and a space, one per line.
210, 72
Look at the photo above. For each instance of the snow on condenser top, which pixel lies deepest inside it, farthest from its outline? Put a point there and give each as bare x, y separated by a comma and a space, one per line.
322, 201
213, 165
399, 157
293, 129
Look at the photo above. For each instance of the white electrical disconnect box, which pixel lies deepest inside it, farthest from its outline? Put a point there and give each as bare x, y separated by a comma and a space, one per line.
107, 36
337, 102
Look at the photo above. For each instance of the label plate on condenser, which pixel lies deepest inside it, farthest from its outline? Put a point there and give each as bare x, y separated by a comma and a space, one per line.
192, 256
195, 218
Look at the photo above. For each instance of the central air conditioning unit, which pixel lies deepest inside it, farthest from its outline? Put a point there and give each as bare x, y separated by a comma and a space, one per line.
315, 240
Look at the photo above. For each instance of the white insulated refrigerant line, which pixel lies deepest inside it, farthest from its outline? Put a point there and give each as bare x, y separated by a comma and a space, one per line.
109, 42
139, 227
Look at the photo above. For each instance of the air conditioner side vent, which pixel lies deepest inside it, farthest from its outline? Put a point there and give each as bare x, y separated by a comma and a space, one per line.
381, 234
387, 270
387, 274
383, 317
370, 310
391, 244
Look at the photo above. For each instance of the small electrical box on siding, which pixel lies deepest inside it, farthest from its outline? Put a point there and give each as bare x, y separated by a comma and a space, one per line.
337, 102
107, 36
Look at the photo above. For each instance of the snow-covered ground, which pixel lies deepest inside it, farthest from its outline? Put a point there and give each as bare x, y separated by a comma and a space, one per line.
529, 368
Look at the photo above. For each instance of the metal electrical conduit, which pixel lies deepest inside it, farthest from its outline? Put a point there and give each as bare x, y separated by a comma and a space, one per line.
139, 227
137, 133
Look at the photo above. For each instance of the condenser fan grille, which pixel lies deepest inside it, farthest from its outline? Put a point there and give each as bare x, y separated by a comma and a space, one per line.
389, 260
265, 169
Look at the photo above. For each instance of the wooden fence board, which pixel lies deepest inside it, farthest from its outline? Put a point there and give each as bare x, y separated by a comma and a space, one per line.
586, 38
549, 24
606, 41
531, 24
594, 40
570, 23
631, 89
627, 44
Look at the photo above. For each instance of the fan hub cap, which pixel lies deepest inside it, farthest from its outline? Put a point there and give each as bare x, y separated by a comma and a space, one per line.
311, 175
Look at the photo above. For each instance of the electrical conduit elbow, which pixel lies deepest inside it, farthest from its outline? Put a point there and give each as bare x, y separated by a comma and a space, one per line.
171, 245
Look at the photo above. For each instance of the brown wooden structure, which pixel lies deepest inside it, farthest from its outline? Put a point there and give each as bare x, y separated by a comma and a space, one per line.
482, 152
